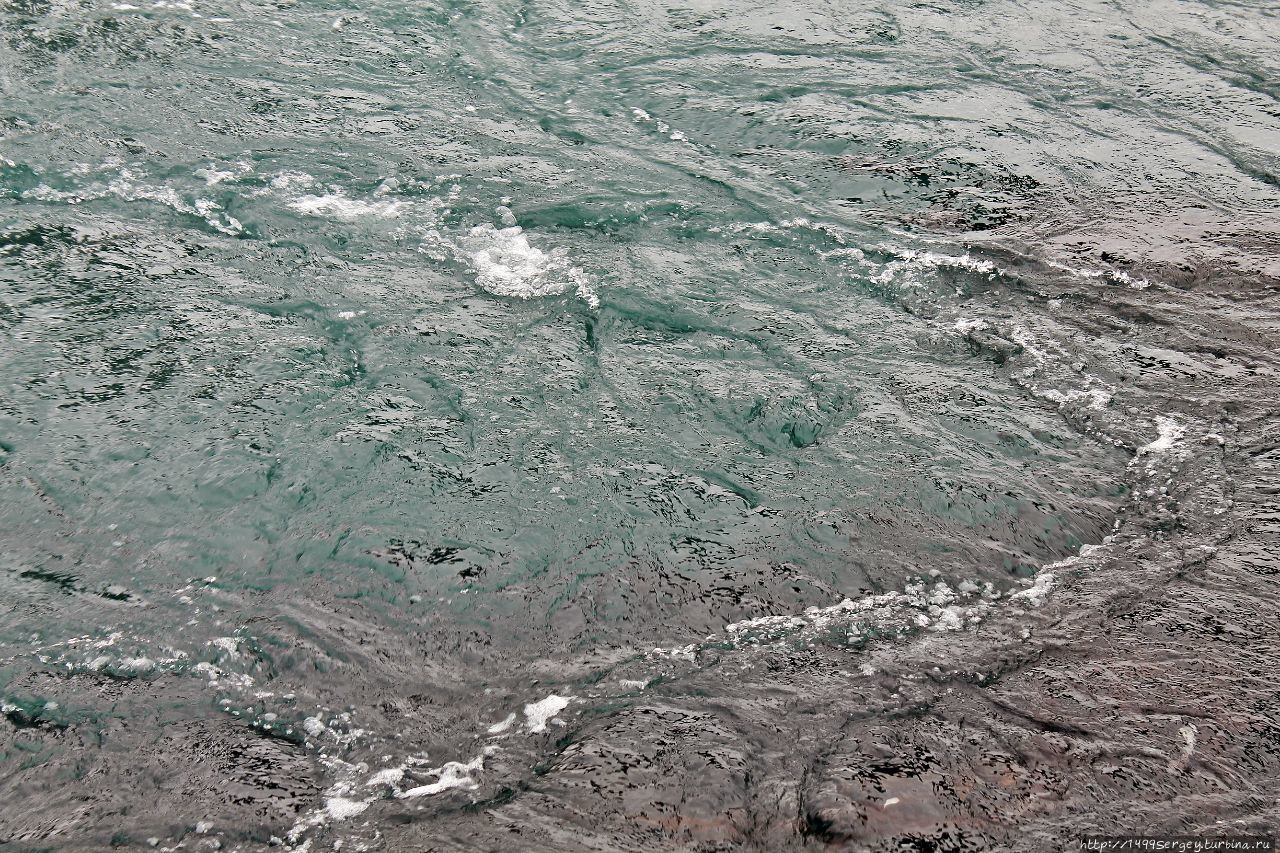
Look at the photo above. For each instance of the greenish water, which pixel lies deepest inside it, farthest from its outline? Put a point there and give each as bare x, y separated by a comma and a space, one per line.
372, 373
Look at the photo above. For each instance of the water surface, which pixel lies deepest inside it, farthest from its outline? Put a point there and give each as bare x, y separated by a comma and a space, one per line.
636, 426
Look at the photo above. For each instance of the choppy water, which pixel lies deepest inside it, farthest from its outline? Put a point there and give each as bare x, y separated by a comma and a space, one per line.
535, 425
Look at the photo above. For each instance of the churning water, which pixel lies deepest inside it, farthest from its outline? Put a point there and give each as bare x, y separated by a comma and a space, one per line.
542, 425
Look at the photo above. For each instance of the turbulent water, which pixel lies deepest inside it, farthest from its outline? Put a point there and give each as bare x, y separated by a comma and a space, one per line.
537, 425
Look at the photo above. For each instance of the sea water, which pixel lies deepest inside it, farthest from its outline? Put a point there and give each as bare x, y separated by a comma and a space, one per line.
611, 426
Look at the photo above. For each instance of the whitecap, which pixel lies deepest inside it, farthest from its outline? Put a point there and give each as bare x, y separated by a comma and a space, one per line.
452, 774
345, 209
538, 714
1170, 433
500, 727
507, 264
1038, 593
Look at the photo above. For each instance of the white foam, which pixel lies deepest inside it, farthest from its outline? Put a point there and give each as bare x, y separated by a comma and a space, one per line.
931, 605
390, 776
1038, 593
1170, 434
345, 209
348, 797
213, 175
1091, 398
125, 189
912, 261
1188, 733
799, 223
138, 665
44, 192
340, 808
227, 644
505, 215
292, 181
919, 606
507, 264
499, 728
452, 774
961, 262
538, 714
674, 135
1114, 276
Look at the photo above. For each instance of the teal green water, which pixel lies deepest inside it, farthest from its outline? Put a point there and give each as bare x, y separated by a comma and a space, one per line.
353, 355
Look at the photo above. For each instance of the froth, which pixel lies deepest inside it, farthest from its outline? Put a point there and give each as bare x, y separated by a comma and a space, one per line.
538, 714
340, 207
507, 264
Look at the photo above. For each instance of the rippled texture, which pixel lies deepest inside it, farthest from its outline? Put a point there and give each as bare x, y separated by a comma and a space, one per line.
631, 426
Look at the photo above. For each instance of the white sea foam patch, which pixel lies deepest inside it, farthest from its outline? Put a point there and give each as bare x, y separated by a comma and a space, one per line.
507, 264
910, 261
1043, 360
346, 209
502, 725
798, 224
128, 187
451, 774
213, 175
923, 605
640, 115
904, 269
1108, 275
538, 714
356, 787
350, 795
1169, 435
292, 181
1038, 593
937, 606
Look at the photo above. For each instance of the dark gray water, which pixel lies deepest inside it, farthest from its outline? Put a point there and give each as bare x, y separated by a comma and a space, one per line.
514, 426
